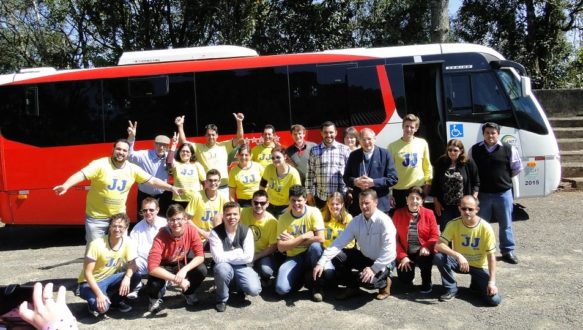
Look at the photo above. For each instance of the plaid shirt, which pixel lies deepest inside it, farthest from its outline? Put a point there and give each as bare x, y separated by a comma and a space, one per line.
325, 169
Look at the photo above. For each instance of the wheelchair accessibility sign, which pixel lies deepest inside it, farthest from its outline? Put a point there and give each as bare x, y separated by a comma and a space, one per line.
456, 131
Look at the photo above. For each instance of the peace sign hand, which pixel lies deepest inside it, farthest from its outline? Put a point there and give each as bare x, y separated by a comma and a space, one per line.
132, 129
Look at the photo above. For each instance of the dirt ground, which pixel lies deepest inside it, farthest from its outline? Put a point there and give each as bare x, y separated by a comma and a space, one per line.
543, 291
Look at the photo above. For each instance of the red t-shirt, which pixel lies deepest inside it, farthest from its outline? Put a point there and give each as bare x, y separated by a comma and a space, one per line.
167, 249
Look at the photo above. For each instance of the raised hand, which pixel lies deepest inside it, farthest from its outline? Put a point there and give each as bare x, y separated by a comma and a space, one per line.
132, 129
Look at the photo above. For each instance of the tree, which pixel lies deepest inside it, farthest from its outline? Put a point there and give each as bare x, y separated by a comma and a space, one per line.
439, 21
529, 31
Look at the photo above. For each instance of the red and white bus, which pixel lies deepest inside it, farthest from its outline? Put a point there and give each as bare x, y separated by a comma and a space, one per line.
52, 123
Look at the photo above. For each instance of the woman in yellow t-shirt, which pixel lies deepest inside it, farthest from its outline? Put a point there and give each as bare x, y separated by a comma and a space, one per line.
336, 218
277, 178
244, 178
186, 171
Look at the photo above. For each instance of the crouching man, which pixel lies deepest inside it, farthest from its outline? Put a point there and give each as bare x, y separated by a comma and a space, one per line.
176, 256
473, 247
232, 249
103, 282
376, 236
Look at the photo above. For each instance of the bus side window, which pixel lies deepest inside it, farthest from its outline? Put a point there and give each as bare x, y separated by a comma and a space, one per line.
261, 94
460, 94
31, 101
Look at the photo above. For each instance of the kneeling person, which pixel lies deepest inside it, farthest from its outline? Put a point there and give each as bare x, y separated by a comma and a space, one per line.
232, 249
264, 227
301, 234
104, 283
169, 259
473, 247
375, 233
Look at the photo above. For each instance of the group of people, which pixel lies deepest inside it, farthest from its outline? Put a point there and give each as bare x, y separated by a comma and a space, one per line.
314, 215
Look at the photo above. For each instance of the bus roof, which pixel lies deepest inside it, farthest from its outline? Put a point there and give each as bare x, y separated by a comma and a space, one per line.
217, 60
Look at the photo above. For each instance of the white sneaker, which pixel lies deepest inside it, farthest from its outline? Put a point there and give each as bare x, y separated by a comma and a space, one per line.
155, 305
134, 294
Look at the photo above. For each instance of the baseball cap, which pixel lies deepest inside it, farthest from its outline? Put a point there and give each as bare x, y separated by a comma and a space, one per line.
162, 139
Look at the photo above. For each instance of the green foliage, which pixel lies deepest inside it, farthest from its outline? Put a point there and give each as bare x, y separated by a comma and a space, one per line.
531, 32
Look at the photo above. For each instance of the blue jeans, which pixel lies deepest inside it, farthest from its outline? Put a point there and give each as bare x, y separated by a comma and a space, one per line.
110, 287
245, 278
265, 267
447, 265
292, 270
499, 206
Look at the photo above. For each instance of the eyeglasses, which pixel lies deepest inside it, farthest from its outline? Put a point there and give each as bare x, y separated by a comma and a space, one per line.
467, 209
148, 210
161, 145
259, 203
175, 219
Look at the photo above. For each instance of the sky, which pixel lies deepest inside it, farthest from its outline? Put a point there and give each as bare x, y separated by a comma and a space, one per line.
454, 5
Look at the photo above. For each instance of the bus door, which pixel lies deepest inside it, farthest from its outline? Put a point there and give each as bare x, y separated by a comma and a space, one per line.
424, 97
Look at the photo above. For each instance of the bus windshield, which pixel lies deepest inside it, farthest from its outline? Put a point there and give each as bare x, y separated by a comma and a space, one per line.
527, 113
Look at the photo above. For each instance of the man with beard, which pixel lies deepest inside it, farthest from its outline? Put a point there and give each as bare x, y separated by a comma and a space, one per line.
111, 179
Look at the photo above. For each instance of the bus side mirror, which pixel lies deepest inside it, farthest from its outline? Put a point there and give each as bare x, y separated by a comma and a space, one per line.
525, 86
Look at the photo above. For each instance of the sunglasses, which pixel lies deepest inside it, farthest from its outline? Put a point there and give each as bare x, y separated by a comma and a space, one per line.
259, 203
467, 209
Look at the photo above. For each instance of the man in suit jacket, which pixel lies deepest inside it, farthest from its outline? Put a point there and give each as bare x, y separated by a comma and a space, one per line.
370, 167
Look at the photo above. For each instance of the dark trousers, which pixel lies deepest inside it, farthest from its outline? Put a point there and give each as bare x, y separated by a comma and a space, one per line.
164, 200
195, 277
276, 210
424, 263
319, 202
350, 259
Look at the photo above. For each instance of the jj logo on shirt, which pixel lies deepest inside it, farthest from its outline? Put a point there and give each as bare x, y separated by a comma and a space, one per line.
410, 160
114, 185
475, 244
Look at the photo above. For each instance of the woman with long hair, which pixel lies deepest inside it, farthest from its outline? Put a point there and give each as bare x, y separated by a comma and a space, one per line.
186, 171
455, 175
277, 178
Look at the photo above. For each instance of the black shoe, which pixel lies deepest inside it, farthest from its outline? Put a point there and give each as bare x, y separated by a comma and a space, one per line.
510, 258
221, 307
426, 288
449, 295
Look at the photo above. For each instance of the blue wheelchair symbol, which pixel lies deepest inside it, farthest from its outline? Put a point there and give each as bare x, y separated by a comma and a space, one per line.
456, 130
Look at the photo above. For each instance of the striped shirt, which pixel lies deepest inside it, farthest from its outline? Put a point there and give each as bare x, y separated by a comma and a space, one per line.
325, 169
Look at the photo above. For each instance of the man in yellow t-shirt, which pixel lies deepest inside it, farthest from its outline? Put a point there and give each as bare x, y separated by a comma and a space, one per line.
300, 235
264, 227
411, 156
261, 153
205, 207
473, 247
214, 154
109, 270
111, 179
